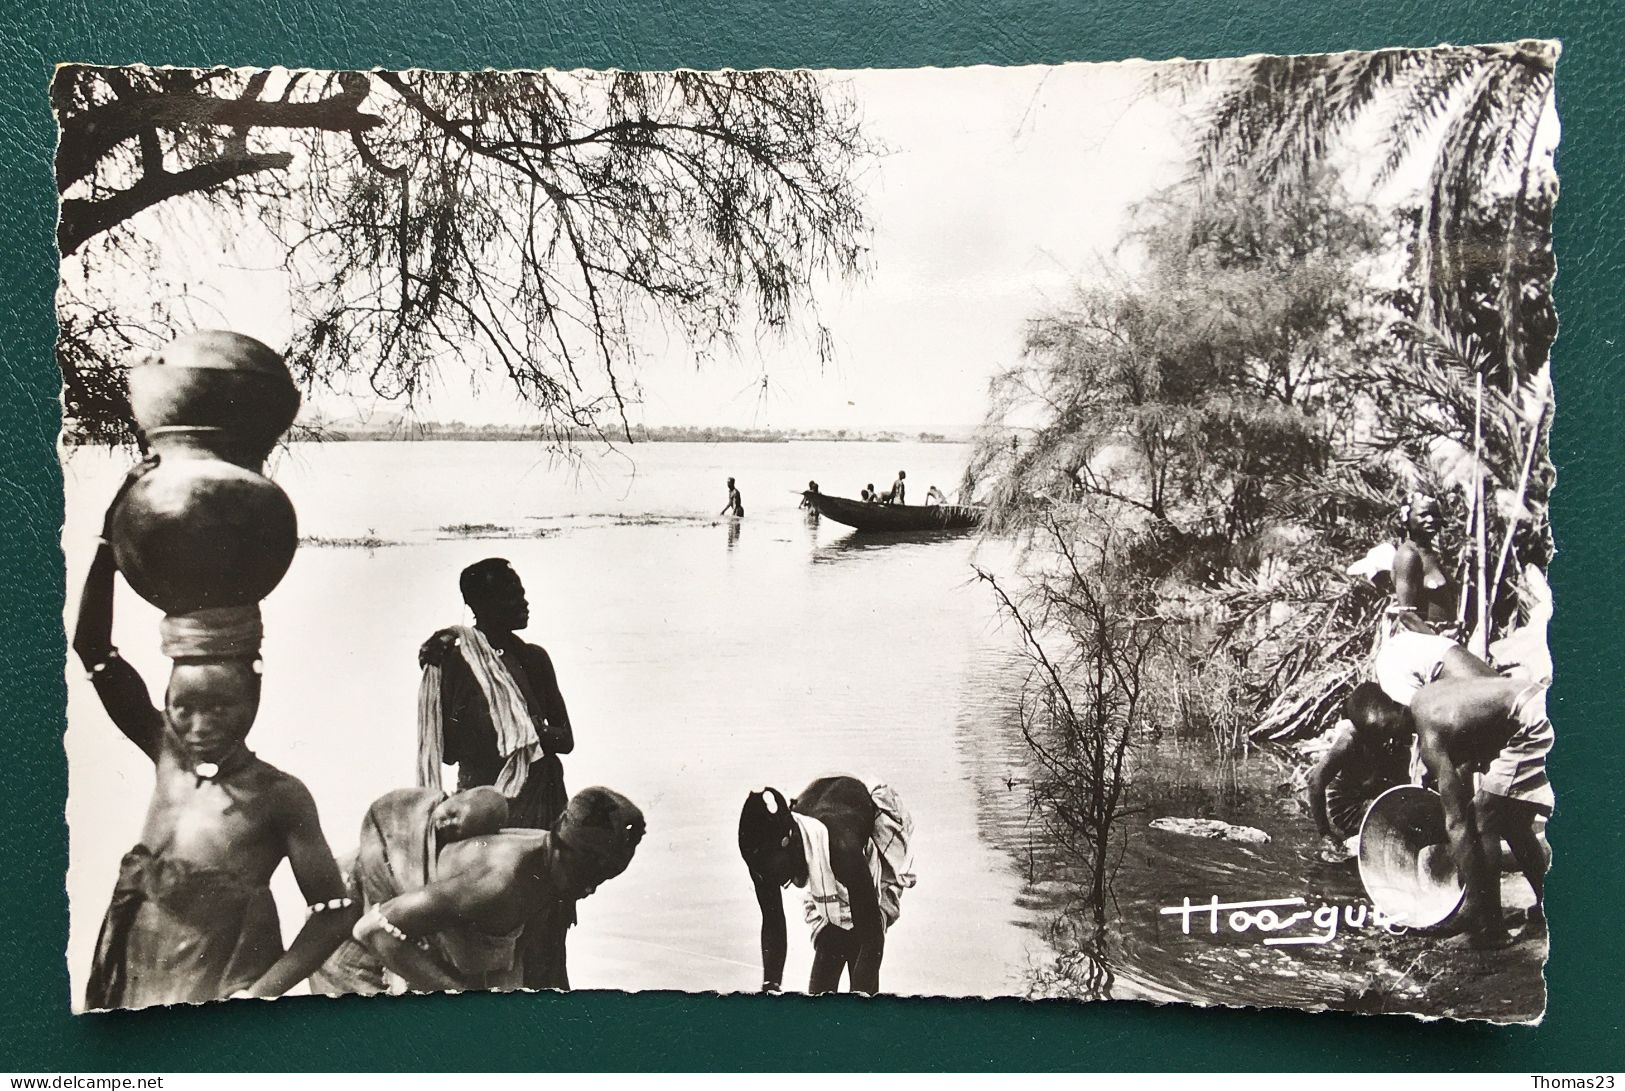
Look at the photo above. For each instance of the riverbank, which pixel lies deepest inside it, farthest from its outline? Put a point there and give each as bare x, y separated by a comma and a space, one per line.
1151, 949
700, 659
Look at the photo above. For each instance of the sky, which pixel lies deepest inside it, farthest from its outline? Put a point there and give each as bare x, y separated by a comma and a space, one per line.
999, 191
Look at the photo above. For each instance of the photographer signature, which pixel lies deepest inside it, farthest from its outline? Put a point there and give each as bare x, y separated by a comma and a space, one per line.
1272, 916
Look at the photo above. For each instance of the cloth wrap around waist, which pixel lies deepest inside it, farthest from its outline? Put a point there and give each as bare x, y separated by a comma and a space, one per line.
1519, 770
888, 853
218, 632
177, 932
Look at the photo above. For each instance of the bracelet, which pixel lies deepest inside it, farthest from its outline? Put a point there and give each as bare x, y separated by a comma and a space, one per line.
97, 668
384, 923
336, 903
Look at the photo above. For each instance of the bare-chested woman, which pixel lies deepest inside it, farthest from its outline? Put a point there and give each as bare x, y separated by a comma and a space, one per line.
461, 929
192, 917
1425, 595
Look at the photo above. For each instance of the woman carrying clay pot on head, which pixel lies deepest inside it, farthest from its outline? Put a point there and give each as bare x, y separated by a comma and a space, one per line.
191, 917
199, 533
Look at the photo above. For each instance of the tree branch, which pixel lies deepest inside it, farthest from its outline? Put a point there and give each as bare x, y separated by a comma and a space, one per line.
89, 136
83, 219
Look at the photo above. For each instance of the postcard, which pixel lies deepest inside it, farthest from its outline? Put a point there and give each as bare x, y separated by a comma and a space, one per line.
1063, 531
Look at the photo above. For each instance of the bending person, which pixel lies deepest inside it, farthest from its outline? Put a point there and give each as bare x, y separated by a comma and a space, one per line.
848, 848
1361, 763
1498, 728
192, 918
454, 916
353, 969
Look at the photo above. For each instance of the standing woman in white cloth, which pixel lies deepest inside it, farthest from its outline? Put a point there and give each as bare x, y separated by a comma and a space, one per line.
489, 703
847, 847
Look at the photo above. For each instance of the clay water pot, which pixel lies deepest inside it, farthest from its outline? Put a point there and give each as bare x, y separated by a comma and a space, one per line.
224, 391
200, 532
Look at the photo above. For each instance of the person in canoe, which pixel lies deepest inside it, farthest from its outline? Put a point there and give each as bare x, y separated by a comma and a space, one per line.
895, 494
934, 496
736, 503
847, 847
868, 495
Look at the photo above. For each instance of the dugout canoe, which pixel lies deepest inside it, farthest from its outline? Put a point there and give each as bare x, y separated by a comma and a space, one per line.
894, 518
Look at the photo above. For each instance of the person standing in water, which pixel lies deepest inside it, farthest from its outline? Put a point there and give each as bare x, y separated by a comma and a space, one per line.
490, 704
736, 504
192, 918
848, 847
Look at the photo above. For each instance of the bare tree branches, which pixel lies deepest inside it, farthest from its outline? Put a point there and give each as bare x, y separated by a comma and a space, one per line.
523, 223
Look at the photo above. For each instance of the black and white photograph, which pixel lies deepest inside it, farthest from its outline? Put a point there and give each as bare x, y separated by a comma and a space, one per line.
1070, 532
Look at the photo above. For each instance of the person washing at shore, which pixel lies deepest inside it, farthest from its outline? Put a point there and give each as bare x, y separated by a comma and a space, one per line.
454, 917
489, 703
736, 503
353, 969
1496, 727
1360, 764
192, 918
847, 847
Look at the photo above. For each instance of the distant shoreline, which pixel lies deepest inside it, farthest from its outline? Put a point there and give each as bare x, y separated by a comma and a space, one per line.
338, 433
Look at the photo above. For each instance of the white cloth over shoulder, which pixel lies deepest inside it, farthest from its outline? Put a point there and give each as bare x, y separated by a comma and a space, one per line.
888, 853
510, 716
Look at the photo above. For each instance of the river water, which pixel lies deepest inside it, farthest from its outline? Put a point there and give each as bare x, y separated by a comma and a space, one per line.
700, 658
703, 657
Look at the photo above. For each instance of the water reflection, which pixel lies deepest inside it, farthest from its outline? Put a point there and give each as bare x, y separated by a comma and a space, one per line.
856, 543
733, 532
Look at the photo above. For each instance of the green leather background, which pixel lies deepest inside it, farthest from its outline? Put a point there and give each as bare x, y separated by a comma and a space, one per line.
590, 1031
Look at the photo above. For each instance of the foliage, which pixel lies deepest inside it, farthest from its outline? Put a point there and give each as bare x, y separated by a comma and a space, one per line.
1253, 402
1090, 644
526, 223
1191, 395
1476, 109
